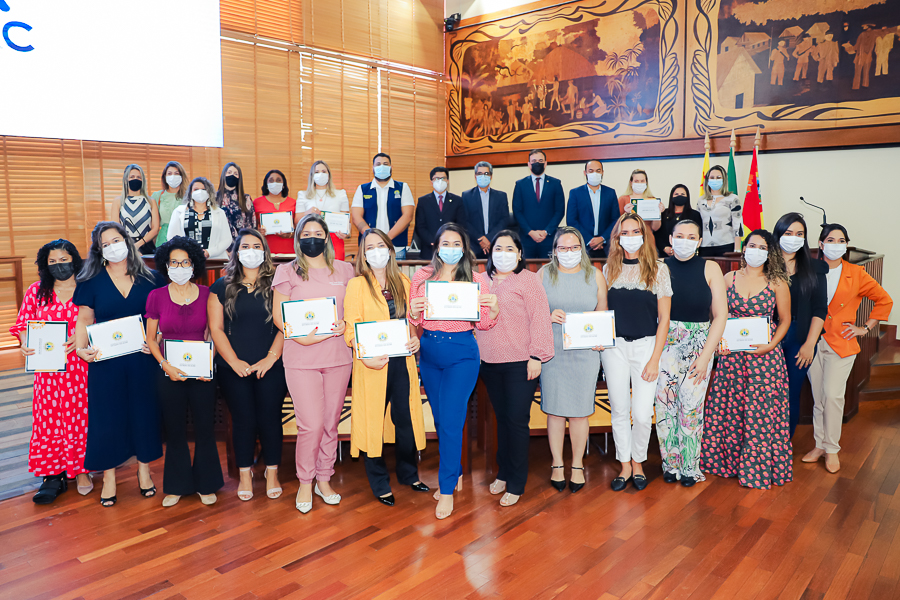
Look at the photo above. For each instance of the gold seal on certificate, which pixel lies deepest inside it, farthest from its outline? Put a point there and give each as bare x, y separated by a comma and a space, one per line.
302, 316
337, 222
48, 339
647, 209
193, 358
589, 329
277, 222
116, 338
381, 338
452, 301
743, 332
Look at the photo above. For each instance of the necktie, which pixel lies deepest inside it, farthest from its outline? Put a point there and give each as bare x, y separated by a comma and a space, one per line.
441, 202
537, 188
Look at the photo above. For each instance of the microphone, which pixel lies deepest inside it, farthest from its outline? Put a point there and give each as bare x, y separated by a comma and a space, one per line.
824, 218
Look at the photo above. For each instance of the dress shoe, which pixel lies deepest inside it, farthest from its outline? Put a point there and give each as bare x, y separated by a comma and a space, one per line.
51, 488
619, 483
170, 500
813, 455
576, 486
688, 481
331, 499
670, 477
557, 485
640, 482
420, 487
832, 464
387, 500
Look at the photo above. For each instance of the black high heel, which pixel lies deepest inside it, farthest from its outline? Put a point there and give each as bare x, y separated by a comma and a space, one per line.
51, 488
576, 486
557, 485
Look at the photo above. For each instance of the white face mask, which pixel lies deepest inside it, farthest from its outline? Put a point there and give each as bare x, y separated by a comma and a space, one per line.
200, 196
439, 185
569, 260
639, 188
684, 248
116, 252
180, 275
834, 251
251, 257
790, 244
756, 257
275, 188
173, 181
320, 178
631, 243
378, 257
506, 261
594, 178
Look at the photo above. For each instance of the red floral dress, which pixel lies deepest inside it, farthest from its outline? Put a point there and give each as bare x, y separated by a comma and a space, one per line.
747, 431
60, 407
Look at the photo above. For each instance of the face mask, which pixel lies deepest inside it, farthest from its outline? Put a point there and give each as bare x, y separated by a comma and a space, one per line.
790, 244
62, 271
684, 248
834, 251
568, 260
382, 172
180, 275
631, 243
715, 184
679, 200
756, 257
275, 188
231, 181
483, 181
200, 196
173, 181
638, 188
537, 168
320, 178
505, 261
439, 185
451, 256
594, 178
251, 257
312, 247
116, 252
378, 257
135, 185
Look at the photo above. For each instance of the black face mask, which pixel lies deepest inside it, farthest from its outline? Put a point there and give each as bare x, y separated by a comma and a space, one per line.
679, 200
62, 271
537, 168
135, 185
312, 247
232, 181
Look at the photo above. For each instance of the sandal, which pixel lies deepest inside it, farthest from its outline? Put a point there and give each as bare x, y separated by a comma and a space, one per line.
246, 494
274, 492
509, 499
498, 487
107, 502
146, 492
50, 489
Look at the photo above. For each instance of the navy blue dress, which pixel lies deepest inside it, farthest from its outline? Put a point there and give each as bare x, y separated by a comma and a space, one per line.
123, 412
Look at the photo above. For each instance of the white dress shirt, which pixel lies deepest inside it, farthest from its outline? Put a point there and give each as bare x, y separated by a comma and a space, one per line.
485, 206
595, 207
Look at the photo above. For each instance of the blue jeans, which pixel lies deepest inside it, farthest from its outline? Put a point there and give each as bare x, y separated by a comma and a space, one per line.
449, 364
796, 376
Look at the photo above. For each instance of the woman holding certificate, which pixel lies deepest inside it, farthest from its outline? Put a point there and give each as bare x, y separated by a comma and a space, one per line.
111, 296
248, 358
317, 361
638, 190
640, 293
846, 286
201, 219
276, 212
178, 313
59, 410
512, 353
377, 298
747, 432
321, 196
448, 307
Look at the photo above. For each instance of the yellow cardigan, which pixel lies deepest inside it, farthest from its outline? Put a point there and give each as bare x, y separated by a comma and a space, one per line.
370, 423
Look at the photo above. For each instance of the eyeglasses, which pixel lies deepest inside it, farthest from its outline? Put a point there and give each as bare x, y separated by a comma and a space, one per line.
183, 263
568, 248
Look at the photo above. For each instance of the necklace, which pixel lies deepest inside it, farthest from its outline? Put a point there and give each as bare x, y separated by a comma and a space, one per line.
184, 297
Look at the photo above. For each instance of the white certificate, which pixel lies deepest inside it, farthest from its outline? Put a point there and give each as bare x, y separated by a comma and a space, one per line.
48, 338
589, 329
277, 222
452, 301
337, 222
192, 357
302, 316
741, 333
648, 209
382, 338
117, 337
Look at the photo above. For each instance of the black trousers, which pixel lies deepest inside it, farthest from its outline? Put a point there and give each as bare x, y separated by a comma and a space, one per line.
256, 409
405, 442
511, 396
180, 477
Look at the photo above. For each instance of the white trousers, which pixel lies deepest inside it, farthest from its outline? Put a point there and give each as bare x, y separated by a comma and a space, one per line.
631, 398
828, 375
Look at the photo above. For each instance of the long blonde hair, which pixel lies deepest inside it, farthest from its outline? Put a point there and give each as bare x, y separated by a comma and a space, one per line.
300, 264
707, 193
553, 266
127, 192
182, 188
630, 192
311, 185
394, 278
647, 257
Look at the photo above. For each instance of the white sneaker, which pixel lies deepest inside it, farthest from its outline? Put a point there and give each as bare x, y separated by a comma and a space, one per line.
303, 507
330, 499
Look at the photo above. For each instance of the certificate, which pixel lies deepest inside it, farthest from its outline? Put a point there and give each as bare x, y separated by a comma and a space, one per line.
48, 338
302, 316
452, 301
741, 333
117, 337
194, 358
648, 209
381, 338
589, 329
277, 222
337, 222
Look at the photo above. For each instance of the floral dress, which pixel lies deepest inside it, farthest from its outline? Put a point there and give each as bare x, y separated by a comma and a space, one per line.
747, 419
237, 219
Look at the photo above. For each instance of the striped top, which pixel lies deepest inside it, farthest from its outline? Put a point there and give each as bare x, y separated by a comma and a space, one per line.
136, 216
417, 290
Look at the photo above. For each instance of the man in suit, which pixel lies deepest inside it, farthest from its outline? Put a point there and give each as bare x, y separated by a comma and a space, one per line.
538, 206
487, 210
435, 209
593, 210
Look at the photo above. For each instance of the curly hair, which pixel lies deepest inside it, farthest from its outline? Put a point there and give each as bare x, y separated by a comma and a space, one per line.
193, 249
773, 269
45, 291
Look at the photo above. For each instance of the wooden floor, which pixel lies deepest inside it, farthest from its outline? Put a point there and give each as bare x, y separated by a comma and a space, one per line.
822, 536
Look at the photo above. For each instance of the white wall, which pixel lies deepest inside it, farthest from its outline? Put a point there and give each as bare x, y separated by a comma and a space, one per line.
475, 8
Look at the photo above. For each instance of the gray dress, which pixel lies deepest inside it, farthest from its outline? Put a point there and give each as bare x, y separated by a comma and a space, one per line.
569, 379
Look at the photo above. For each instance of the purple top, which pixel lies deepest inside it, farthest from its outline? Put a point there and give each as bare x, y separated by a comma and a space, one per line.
178, 322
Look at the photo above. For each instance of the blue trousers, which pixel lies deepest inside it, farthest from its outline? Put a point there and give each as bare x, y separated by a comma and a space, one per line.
796, 376
449, 364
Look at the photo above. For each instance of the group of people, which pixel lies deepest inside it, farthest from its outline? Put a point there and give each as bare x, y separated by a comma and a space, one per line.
670, 315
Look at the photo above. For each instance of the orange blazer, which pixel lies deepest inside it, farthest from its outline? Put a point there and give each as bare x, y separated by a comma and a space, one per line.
855, 285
